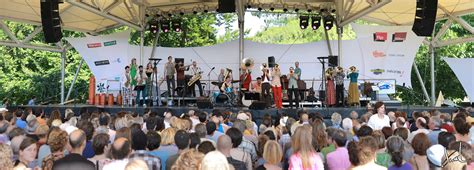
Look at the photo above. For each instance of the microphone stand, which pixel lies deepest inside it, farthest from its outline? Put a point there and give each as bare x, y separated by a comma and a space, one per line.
209, 83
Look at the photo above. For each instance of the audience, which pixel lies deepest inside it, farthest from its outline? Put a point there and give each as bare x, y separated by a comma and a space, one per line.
27, 154
182, 141
379, 119
75, 159
304, 156
121, 149
362, 154
420, 144
100, 144
395, 147
339, 159
57, 140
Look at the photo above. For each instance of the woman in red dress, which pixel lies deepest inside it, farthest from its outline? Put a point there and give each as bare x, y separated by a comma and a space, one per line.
330, 88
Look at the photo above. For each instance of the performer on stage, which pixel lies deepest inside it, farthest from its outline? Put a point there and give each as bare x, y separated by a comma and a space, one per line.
257, 86
180, 77
227, 86
276, 86
127, 100
293, 88
196, 71
221, 76
141, 79
339, 78
353, 87
298, 73
330, 91
133, 71
169, 72
246, 79
266, 85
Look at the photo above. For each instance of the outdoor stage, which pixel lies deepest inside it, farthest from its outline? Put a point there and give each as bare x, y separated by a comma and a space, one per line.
257, 114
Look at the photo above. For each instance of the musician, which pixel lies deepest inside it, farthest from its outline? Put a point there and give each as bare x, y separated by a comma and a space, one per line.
227, 85
221, 76
141, 85
276, 86
180, 77
298, 70
330, 90
339, 78
257, 86
246, 79
133, 71
293, 88
196, 71
298, 73
126, 87
266, 85
353, 98
169, 72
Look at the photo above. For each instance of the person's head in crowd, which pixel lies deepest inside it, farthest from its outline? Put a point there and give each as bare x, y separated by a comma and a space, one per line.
461, 126
200, 130
339, 138
215, 160
402, 132
272, 153
10, 117
435, 122
167, 136
387, 132
347, 124
302, 144
182, 139
139, 140
121, 148
211, 127
329, 134
391, 116
379, 107
190, 159
365, 117
15, 144
422, 122
420, 143
104, 120
151, 123
364, 130
354, 115
77, 141
100, 144
236, 136
202, 117
135, 127
16, 132
435, 155
336, 119
195, 140
262, 140
42, 132
136, 164
271, 135
153, 140
160, 124
54, 115
88, 129
206, 147
464, 149
379, 139
416, 115
395, 147
446, 138
400, 122
362, 152
450, 164
319, 134
28, 151
6, 155
124, 132
57, 140
239, 124
289, 123
32, 124
224, 144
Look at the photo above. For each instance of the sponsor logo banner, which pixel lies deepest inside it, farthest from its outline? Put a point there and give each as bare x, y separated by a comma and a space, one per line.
109, 43
94, 45
101, 62
380, 36
399, 36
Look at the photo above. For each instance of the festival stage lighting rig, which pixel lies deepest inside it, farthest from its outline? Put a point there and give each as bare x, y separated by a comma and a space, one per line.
165, 25
315, 22
328, 22
304, 22
153, 26
176, 25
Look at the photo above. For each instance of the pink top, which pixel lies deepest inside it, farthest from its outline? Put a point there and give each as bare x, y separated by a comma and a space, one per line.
297, 164
339, 159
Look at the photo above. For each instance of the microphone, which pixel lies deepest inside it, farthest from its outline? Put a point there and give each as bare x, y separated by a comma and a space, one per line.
213, 68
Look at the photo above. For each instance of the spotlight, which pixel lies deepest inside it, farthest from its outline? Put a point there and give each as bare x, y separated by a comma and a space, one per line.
285, 10
249, 6
322, 10
195, 12
304, 22
271, 9
333, 10
181, 13
315, 22
165, 25
309, 10
146, 15
259, 8
328, 22
176, 25
296, 10
170, 15
153, 26
205, 11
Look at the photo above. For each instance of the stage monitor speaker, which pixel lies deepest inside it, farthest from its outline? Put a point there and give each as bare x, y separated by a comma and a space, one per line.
51, 21
322, 95
271, 61
333, 60
226, 6
204, 104
258, 105
425, 17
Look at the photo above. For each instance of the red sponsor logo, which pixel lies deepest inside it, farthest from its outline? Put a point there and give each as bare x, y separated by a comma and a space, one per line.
94, 45
380, 36
399, 37
378, 54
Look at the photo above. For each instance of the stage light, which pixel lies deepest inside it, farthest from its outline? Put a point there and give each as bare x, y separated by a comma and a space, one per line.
195, 12
315, 22
296, 10
271, 9
181, 13
285, 10
304, 22
205, 11
309, 10
176, 25
153, 26
249, 6
165, 25
328, 22
259, 9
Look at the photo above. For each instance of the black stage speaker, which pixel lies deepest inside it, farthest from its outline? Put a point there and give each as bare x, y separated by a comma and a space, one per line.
271, 62
204, 103
226, 6
258, 105
425, 17
332, 60
178, 60
322, 95
51, 21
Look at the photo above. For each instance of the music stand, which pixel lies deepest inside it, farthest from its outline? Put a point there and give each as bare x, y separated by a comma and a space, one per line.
322, 87
154, 79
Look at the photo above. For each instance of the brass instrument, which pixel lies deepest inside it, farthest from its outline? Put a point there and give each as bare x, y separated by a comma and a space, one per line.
247, 63
195, 78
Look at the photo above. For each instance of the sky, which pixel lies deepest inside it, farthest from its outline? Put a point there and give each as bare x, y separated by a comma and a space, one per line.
253, 23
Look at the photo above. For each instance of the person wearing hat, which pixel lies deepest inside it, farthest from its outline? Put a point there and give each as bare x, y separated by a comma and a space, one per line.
41, 132
435, 155
32, 124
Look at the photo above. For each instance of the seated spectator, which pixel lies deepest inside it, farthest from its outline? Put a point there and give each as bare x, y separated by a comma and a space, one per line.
215, 160
201, 131
167, 141
362, 154
153, 145
100, 144
206, 147
75, 160
273, 155
136, 164
420, 144
382, 157
395, 147
182, 141
379, 119
104, 122
121, 149
336, 120
27, 154
339, 159
462, 130
212, 132
88, 129
422, 127
57, 140
304, 156
139, 144
190, 159
236, 153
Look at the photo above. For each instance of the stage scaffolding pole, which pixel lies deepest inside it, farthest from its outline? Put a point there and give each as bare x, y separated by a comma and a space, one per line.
74, 80
422, 83
432, 63
142, 39
63, 72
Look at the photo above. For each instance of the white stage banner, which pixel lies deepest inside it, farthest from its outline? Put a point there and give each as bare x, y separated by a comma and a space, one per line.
387, 52
463, 68
106, 57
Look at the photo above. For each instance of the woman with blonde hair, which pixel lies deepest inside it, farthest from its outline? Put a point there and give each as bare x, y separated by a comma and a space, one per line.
167, 141
190, 159
272, 154
6, 154
304, 156
215, 160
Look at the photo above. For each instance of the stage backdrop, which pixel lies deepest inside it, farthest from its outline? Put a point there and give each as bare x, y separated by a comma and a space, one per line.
379, 52
463, 68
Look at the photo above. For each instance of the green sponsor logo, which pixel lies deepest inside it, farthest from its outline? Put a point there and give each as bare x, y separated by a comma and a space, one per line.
109, 43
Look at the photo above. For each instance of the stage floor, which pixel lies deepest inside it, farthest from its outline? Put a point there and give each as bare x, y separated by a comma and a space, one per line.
257, 114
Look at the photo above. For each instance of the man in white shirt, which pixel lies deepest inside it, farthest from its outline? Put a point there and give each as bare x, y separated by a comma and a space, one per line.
266, 86
195, 71
121, 149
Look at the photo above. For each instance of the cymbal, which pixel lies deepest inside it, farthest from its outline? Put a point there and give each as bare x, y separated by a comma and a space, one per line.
235, 81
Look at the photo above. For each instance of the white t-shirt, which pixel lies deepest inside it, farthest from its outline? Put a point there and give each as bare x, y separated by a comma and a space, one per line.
376, 123
117, 164
414, 133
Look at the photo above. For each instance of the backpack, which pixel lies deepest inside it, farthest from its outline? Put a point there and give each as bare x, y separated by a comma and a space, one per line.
238, 165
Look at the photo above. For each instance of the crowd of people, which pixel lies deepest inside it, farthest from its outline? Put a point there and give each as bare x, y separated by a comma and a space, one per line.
222, 140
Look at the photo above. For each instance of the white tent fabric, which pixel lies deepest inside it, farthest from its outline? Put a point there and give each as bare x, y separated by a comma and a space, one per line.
463, 68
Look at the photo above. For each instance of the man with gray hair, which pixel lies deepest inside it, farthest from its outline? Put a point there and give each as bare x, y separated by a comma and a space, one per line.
435, 128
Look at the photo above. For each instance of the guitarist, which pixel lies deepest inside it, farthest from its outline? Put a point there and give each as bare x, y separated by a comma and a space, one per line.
195, 71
